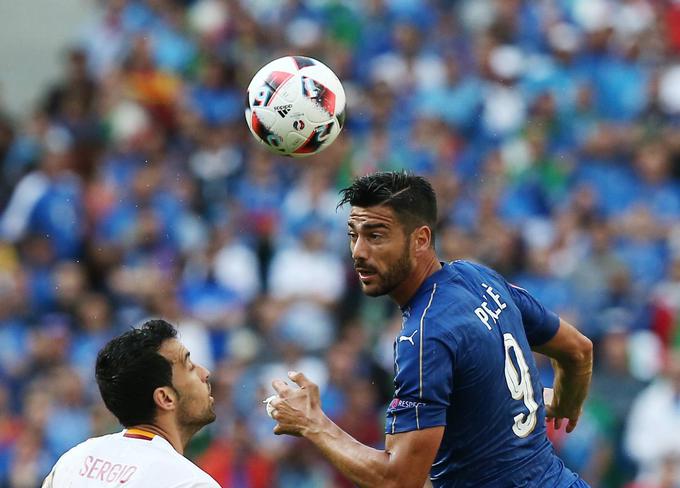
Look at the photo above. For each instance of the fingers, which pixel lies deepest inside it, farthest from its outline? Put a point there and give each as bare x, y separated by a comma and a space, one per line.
276, 401
551, 416
571, 425
280, 409
282, 417
290, 408
300, 379
276, 405
281, 388
549, 412
306, 385
557, 423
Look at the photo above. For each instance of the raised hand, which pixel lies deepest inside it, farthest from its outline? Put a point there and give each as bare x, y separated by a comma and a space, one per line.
296, 410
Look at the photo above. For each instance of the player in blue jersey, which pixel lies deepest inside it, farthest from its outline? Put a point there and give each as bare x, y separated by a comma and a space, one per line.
468, 407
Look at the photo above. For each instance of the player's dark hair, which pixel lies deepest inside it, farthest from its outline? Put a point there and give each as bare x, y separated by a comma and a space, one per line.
129, 369
411, 197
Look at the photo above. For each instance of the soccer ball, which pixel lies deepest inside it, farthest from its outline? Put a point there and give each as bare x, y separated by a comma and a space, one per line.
295, 106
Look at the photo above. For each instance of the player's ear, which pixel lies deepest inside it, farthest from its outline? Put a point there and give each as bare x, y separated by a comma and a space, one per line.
165, 398
422, 238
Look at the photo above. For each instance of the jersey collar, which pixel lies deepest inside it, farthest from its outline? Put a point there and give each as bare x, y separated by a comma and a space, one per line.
447, 270
141, 434
145, 435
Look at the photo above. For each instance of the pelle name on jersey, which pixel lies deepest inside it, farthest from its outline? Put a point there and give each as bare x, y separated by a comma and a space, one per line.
484, 313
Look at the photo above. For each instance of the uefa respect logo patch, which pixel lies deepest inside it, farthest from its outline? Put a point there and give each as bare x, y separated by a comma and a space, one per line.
397, 403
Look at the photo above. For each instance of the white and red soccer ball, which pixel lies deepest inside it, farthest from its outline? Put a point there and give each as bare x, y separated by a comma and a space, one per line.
295, 106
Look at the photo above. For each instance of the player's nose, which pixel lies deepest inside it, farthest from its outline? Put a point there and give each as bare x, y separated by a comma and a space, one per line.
204, 373
360, 249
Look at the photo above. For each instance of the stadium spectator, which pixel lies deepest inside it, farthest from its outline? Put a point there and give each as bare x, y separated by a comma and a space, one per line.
651, 440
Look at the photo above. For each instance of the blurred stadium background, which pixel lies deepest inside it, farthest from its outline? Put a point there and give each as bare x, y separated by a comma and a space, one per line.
131, 188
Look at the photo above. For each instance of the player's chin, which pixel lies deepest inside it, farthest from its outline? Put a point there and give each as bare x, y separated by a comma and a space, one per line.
210, 415
373, 289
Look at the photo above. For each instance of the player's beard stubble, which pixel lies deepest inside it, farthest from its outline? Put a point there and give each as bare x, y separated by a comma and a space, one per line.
393, 276
193, 413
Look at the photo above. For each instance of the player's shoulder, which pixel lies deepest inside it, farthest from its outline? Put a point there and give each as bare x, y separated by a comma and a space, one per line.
90, 443
69, 459
459, 284
472, 270
180, 471
191, 471
186, 473
470, 280
447, 305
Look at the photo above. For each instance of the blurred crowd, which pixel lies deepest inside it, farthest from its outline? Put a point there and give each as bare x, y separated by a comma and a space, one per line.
550, 129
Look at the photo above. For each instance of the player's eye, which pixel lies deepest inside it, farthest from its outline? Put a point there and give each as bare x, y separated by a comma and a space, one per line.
352, 235
375, 236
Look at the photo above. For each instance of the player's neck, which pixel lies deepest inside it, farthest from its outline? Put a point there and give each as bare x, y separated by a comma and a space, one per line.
171, 434
423, 270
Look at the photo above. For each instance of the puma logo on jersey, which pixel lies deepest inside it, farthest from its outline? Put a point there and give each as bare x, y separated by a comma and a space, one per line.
408, 338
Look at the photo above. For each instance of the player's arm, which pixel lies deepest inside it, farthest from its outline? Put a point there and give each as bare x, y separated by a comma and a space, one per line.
405, 462
570, 351
571, 354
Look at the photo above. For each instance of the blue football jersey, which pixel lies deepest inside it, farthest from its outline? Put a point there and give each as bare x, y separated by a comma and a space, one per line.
463, 360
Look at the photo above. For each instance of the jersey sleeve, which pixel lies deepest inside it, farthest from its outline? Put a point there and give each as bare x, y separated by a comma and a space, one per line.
540, 324
423, 382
